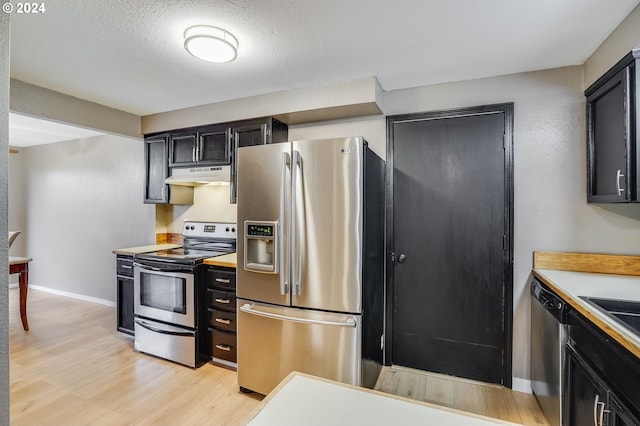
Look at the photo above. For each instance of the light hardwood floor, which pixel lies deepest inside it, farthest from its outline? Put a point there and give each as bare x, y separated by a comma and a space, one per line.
73, 368
461, 394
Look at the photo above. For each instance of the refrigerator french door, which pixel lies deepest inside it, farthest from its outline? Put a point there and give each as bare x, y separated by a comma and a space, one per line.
310, 259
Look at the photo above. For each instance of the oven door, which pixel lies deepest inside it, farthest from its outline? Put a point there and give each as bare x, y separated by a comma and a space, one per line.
165, 293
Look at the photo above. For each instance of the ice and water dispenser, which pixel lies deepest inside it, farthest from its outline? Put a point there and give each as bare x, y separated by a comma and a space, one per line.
261, 247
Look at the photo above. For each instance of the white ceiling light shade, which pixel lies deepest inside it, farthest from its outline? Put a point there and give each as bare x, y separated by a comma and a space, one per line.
211, 44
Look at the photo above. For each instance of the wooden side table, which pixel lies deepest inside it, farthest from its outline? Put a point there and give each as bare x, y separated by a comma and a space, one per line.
20, 265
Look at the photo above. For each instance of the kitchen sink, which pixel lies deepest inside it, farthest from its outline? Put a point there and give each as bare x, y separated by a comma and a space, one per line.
625, 312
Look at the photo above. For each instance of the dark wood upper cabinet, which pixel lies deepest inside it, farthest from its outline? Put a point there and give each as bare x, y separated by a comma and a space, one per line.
204, 146
156, 163
210, 145
613, 134
156, 169
214, 146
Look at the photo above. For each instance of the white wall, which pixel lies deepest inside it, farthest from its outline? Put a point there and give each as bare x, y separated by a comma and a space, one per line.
372, 128
83, 199
36, 101
615, 47
17, 199
210, 203
16, 208
4, 267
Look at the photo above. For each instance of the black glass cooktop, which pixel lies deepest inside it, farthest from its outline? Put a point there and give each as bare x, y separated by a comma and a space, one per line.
180, 255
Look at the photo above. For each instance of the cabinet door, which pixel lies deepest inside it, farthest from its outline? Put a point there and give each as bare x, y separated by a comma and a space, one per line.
182, 149
214, 146
156, 170
257, 134
608, 126
586, 397
125, 305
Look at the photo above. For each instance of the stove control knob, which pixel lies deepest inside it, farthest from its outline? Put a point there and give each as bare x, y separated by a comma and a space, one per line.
227, 229
233, 229
193, 227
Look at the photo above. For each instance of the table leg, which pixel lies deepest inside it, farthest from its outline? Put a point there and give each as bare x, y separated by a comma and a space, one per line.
24, 286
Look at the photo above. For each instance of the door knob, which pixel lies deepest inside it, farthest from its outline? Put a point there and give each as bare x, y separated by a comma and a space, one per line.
402, 258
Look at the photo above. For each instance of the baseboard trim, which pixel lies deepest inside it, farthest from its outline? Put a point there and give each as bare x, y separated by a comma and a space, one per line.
521, 385
74, 295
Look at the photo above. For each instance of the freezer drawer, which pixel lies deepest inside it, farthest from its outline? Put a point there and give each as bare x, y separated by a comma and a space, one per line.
274, 341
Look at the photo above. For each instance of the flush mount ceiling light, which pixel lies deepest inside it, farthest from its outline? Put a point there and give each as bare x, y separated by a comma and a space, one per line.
211, 44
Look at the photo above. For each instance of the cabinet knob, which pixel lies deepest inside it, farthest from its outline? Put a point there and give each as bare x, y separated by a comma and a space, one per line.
402, 258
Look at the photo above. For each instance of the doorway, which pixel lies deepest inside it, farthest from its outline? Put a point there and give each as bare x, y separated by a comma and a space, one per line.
450, 234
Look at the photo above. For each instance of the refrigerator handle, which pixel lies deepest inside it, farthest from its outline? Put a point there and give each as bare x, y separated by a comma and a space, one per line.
250, 309
296, 267
284, 273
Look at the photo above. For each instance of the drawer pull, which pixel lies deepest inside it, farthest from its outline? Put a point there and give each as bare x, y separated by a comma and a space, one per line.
225, 301
223, 321
223, 280
223, 347
126, 266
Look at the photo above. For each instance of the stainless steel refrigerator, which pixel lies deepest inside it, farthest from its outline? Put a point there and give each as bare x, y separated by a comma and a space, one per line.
310, 272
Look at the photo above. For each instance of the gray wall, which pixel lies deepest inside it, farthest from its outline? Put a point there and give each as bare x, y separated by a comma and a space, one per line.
550, 208
83, 199
4, 271
618, 44
39, 102
17, 199
551, 212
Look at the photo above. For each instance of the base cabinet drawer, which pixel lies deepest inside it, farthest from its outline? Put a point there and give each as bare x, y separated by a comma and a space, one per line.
222, 279
222, 320
221, 299
223, 345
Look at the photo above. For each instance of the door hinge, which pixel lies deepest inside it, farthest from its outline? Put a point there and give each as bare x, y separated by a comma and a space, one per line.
504, 141
381, 341
393, 257
504, 242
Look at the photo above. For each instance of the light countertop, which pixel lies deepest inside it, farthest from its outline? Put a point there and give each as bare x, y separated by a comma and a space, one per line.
14, 260
571, 285
145, 249
307, 400
226, 260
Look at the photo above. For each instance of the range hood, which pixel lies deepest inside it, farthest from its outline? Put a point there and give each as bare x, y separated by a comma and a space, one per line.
195, 176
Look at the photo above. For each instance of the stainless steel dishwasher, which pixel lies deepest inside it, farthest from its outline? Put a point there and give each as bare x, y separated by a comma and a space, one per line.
549, 336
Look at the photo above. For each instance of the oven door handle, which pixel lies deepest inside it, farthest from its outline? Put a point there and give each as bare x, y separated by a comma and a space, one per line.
143, 324
153, 268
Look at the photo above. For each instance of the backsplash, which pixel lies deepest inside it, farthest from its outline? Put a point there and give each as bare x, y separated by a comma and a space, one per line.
210, 203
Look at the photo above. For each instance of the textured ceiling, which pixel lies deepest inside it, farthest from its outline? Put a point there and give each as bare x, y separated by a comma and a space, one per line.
128, 54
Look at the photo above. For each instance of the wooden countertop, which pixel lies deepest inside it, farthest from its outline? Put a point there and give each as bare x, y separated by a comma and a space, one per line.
571, 283
145, 249
226, 260
301, 399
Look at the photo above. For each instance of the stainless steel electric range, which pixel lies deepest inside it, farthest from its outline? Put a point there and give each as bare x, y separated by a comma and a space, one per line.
168, 289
